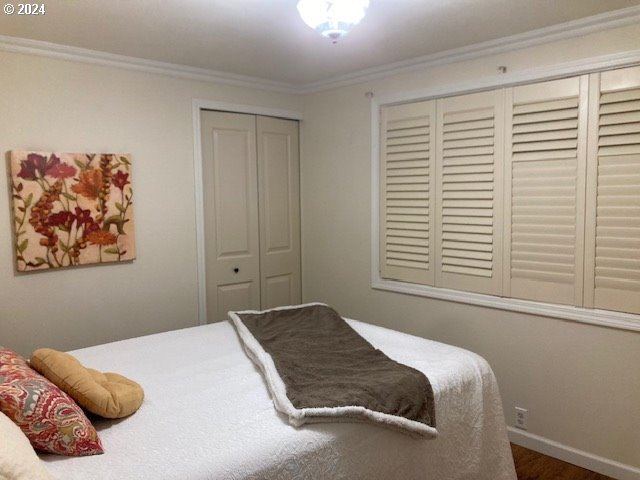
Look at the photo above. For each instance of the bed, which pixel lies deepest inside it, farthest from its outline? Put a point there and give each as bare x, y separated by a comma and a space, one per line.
207, 415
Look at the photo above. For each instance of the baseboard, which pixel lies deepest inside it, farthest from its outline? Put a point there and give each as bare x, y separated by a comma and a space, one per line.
583, 459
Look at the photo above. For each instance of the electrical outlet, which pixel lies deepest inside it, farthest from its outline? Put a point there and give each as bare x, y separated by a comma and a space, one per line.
521, 418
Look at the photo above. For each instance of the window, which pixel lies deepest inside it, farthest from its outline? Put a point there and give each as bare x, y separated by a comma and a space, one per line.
529, 192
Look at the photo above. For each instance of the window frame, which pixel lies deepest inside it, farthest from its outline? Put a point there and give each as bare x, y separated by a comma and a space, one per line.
612, 319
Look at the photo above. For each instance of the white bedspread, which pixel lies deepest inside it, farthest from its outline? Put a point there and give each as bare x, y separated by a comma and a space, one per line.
207, 415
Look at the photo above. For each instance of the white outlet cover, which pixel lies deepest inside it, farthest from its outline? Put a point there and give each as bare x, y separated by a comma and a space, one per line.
521, 418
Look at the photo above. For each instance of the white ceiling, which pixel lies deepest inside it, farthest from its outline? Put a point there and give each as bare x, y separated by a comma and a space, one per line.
267, 39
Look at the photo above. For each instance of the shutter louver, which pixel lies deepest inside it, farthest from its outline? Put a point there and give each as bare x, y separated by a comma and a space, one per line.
406, 192
546, 161
615, 162
467, 193
469, 198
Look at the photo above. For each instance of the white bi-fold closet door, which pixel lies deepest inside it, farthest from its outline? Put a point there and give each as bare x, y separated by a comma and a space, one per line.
252, 212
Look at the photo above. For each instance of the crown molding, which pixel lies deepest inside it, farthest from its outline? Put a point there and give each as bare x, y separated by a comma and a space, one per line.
95, 57
575, 28
561, 31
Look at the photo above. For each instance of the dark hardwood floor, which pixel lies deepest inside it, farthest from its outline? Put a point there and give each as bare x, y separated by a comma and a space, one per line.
532, 465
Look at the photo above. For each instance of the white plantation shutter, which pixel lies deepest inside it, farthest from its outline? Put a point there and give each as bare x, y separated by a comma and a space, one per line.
407, 192
545, 165
529, 192
469, 192
612, 276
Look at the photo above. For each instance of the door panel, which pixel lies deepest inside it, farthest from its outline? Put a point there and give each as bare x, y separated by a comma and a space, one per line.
234, 297
279, 196
232, 202
277, 192
231, 212
279, 291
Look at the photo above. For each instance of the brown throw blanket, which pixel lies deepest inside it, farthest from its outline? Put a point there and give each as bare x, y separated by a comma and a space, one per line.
319, 369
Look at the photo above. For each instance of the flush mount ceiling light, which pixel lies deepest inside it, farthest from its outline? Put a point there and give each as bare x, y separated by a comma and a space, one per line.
332, 18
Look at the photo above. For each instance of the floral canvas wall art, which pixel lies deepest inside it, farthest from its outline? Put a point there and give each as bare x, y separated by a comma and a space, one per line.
71, 209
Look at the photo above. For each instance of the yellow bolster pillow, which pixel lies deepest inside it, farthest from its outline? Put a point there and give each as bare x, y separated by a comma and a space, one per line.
108, 395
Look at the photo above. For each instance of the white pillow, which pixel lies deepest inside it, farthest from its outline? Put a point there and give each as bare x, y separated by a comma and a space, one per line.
18, 459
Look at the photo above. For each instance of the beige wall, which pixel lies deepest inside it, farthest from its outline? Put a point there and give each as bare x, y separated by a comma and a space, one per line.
581, 383
54, 105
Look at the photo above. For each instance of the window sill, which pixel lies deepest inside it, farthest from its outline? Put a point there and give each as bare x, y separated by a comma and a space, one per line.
604, 318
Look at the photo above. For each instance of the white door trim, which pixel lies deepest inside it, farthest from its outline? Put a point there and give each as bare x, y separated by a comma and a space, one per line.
198, 105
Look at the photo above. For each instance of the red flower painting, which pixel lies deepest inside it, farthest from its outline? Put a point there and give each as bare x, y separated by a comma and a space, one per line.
36, 166
120, 180
71, 209
90, 184
62, 171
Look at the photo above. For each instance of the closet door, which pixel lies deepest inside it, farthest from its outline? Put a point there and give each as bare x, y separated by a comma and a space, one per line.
470, 133
546, 156
279, 200
407, 192
231, 213
612, 271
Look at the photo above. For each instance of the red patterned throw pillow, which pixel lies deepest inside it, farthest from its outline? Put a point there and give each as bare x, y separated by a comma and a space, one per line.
47, 416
